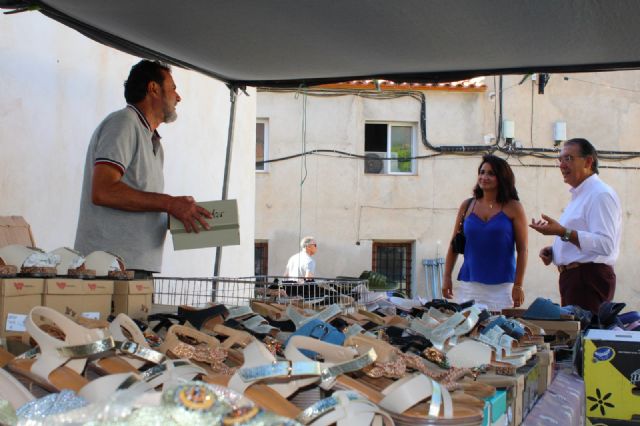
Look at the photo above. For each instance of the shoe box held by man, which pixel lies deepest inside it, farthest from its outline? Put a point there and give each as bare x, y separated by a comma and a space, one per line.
224, 228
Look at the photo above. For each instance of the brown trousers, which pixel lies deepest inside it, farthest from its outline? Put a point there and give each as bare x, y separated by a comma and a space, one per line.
587, 286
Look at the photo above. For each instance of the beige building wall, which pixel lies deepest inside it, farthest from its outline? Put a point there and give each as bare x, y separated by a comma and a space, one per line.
56, 86
329, 196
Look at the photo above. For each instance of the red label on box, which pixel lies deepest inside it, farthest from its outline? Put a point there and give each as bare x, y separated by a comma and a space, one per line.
140, 287
61, 285
92, 286
18, 285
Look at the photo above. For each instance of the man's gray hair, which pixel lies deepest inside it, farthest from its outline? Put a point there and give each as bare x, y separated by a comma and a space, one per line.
309, 240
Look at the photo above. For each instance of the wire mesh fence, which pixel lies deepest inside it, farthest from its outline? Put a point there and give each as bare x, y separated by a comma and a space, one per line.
314, 293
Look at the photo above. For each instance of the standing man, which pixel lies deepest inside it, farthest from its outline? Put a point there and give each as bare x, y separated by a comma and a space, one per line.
123, 209
301, 265
588, 233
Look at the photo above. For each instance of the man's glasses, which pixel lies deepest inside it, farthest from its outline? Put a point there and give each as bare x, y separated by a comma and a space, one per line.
568, 158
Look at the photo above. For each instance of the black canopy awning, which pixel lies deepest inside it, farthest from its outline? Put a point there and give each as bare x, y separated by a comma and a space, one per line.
281, 43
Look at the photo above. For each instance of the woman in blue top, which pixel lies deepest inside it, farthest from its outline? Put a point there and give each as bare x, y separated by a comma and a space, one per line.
495, 253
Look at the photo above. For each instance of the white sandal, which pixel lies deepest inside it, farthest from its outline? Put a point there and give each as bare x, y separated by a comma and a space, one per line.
60, 363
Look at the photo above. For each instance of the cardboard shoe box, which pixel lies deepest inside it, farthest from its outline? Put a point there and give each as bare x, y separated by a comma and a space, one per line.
514, 387
545, 367
133, 298
88, 298
224, 231
495, 409
17, 297
612, 375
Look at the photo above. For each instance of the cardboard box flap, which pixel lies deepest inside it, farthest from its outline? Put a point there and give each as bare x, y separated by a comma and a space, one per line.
15, 230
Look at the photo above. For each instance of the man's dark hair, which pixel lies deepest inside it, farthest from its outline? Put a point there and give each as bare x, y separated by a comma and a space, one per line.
506, 180
586, 149
141, 74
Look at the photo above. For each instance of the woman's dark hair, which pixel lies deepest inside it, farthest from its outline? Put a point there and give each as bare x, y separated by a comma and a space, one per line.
586, 150
506, 180
141, 74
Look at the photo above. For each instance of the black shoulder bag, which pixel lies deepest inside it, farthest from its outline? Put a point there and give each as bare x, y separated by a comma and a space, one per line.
459, 240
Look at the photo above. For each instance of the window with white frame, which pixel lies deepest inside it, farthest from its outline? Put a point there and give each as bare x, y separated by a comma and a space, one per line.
262, 144
389, 148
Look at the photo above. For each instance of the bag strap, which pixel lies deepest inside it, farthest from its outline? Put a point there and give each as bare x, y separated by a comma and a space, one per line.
466, 210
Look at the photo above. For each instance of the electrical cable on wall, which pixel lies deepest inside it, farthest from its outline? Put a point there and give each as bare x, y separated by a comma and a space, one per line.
473, 150
303, 162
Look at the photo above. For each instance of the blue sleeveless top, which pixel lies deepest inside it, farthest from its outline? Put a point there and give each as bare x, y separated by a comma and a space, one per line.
489, 252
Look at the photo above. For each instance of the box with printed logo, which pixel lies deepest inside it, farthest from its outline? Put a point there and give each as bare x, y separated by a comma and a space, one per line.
133, 298
224, 227
17, 297
76, 297
612, 374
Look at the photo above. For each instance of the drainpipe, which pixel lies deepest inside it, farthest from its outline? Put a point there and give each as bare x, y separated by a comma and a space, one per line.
433, 277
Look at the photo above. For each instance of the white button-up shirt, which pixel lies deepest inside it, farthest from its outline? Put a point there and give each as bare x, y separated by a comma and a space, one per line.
594, 212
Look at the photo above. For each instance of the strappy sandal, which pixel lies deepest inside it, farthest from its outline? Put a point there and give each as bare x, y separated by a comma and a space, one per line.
232, 338
439, 333
506, 345
471, 353
202, 319
30, 261
394, 364
396, 320
403, 398
72, 264
268, 382
344, 408
204, 350
132, 344
170, 371
107, 265
13, 391
60, 363
325, 315
274, 311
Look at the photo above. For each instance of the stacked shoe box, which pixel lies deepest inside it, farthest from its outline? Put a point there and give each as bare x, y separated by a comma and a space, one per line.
133, 298
514, 388
17, 295
72, 296
545, 367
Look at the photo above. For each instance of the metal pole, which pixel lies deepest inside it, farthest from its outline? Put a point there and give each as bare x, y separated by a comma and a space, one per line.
233, 94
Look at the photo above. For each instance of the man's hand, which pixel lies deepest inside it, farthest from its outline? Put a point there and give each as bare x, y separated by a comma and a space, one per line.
189, 213
517, 294
546, 254
447, 288
547, 226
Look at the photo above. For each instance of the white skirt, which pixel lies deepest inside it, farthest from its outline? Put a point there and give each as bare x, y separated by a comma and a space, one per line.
495, 297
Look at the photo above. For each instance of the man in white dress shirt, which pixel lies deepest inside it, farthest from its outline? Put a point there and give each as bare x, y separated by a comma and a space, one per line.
301, 265
588, 233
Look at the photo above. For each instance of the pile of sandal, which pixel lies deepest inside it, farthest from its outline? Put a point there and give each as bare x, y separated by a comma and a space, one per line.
264, 363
